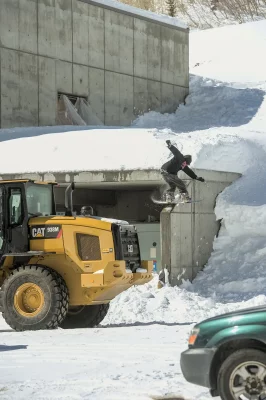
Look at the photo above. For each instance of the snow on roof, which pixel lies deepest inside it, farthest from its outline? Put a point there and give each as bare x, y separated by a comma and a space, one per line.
138, 11
119, 149
84, 150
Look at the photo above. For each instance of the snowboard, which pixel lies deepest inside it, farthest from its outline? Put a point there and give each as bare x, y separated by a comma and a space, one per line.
175, 202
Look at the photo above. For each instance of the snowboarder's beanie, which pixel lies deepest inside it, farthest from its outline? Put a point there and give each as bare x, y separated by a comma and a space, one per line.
188, 158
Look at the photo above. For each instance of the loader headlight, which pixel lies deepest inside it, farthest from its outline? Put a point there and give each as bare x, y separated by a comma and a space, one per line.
193, 336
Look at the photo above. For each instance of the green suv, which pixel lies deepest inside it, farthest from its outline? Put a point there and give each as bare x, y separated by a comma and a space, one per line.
227, 354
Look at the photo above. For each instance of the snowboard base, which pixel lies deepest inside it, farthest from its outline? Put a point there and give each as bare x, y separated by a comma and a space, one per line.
175, 202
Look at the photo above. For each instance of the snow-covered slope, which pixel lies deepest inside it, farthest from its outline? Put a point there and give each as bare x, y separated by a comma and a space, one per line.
198, 14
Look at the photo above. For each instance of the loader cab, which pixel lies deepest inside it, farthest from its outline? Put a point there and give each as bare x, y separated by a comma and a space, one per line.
21, 200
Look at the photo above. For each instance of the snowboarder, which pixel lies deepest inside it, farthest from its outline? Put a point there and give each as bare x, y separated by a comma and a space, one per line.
169, 172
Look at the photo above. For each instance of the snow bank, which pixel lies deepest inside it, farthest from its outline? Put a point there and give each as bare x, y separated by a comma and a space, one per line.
208, 103
147, 303
231, 54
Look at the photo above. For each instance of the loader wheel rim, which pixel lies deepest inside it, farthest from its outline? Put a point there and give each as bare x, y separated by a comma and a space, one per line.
29, 300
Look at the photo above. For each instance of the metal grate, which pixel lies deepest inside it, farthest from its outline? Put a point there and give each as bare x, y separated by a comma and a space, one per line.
72, 97
88, 247
130, 247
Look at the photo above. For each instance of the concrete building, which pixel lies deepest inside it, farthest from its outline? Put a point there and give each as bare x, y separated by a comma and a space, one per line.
179, 239
122, 62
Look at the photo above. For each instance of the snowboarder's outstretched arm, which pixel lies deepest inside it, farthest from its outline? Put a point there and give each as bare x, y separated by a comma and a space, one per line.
192, 174
189, 172
175, 151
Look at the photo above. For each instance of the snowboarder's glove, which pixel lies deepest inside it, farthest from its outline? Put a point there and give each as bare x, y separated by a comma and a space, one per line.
200, 179
169, 144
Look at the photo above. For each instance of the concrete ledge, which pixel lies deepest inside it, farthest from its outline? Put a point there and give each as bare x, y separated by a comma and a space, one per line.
135, 12
126, 179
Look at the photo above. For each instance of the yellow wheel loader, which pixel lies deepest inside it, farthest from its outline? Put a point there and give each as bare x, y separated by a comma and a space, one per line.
61, 270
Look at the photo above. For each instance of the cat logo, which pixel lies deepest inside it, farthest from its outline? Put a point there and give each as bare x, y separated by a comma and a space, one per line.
46, 232
38, 232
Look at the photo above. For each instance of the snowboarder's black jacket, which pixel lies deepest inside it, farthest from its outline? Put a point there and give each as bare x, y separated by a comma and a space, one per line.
177, 163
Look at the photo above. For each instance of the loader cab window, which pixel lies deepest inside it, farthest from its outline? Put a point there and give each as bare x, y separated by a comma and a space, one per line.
15, 207
39, 199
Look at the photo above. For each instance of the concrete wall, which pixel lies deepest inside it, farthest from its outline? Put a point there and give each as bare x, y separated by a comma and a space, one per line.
130, 205
125, 64
188, 230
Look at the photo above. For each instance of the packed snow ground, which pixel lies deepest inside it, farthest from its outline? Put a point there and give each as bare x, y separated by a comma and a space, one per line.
136, 351
114, 363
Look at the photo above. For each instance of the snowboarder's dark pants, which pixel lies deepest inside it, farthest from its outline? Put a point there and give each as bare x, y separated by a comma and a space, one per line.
174, 182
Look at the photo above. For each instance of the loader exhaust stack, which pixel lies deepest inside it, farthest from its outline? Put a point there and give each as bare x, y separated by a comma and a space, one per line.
69, 199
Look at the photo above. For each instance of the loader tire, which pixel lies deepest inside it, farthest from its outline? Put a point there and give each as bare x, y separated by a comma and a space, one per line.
85, 316
34, 297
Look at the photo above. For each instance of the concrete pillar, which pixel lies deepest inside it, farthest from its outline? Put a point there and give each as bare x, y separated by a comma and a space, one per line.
188, 230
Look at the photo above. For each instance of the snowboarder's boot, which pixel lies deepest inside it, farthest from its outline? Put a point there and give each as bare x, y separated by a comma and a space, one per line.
185, 197
168, 197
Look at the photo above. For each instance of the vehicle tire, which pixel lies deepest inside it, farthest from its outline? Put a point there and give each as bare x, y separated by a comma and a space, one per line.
85, 316
237, 375
34, 297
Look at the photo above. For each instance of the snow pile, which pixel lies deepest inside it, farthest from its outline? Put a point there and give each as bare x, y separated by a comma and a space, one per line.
147, 303
230, 54
208, 98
